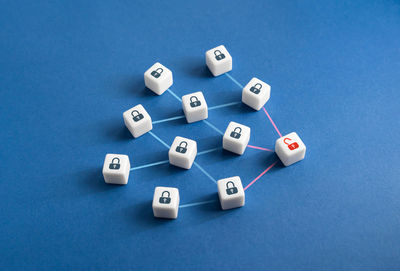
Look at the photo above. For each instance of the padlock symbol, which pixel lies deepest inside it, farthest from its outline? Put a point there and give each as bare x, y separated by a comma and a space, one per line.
291, 146
114, 165
165, 200
194, 101
236, 133
156, 73
182, 147
218, 55
232, 189
136, 115
256, 88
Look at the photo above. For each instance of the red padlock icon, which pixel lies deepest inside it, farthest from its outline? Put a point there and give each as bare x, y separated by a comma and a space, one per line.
292, 146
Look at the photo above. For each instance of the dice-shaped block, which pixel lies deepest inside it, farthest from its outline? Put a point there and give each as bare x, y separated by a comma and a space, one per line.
166, 202
256, 93
236, 138
219, 60
182, 153
116, 168
231, 193
195, 107
290, 149
137, 120
158, 78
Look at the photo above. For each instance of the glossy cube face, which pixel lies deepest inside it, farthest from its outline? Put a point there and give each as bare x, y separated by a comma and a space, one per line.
231, 193
236, 137
218, 60
116, 168
290, 149
137, 120
158, 78
166, 202
256, 93
195, 107
182, 153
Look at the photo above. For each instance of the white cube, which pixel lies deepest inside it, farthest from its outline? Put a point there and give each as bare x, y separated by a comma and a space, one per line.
116, 168
236, 137
182, 153
231, 193
290, 149
137, 120
195, 107
256, 93
219, 60
166, 202
158, 78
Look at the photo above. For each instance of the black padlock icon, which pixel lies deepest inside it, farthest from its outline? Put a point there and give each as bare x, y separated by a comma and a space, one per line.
255, 89
218, 55
114, 165
136, 115
157, 73
236, 133
180, 148
231, 190
165, 200
194, 101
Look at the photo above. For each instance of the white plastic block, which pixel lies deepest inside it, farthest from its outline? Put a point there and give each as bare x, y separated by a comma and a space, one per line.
158, 78
166, 202
137, 120
182, 153
195, 107
290, 149
219, 60
236, 137
231, 193
256, 93
116, 168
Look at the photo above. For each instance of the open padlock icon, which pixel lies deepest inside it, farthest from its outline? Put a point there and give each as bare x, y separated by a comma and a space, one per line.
256, 88
236, 133
194, 101
163, 199
230, 190
182, 147
136, 115
157, 72
218, 55
115, 165
291, 146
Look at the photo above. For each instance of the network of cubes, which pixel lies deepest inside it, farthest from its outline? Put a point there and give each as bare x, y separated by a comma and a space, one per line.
182, 153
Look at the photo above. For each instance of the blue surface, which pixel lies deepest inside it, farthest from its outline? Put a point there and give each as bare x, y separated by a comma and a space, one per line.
68, 69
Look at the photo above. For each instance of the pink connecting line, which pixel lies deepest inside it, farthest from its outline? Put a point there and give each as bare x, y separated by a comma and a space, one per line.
259, 176
259, 148
273, 123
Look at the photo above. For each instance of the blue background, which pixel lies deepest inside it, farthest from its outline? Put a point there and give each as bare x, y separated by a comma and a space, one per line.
68, 69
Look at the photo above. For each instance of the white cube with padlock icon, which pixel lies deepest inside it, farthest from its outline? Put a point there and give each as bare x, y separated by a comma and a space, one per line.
195, 107
256, 93
290, 149
231, 193
158, 78
116, 168
182, 152
137, 120
166, 202
236, 137
218, 60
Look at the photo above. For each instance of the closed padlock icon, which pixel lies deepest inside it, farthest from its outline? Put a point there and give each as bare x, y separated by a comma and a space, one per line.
156, 73
136, 115
230, 190
194, 101
256, 88
115, 165
218, 55
182, 147
163, 199
291, 146
236, 133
